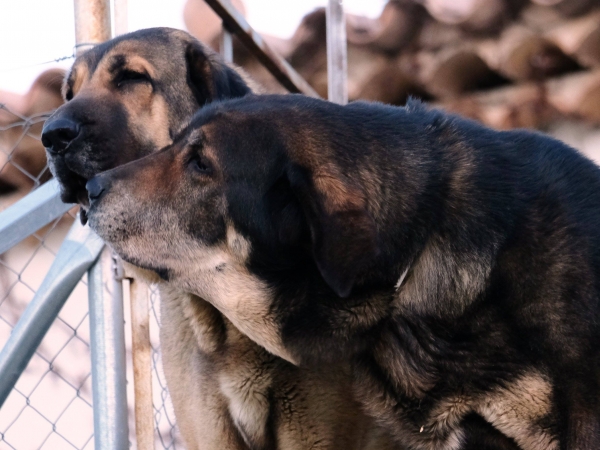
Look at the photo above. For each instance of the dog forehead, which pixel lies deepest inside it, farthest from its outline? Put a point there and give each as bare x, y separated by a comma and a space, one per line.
160, 54
153, 43
195, 136
154, 55
225, 145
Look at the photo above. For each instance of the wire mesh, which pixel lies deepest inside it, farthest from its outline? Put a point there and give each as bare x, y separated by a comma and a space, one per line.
23, 165
167, 434
51, 406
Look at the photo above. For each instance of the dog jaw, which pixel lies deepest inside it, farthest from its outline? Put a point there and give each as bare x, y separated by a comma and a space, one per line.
220, 275
217, 273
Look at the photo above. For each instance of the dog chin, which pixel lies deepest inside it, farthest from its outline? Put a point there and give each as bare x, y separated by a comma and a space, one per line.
120, 244
163, 273
94, 218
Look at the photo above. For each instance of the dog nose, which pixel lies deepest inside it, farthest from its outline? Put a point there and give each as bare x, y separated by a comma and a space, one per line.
58, 134
95, 187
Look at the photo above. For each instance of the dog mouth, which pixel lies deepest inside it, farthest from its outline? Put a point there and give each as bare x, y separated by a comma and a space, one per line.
72, 181
75, 192
83, 216
73, 188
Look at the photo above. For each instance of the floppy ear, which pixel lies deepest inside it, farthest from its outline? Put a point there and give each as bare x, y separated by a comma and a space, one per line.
344, 235
209, 78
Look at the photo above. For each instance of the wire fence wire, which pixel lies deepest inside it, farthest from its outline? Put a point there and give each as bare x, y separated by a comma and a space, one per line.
51, 406
167, 434
23, 165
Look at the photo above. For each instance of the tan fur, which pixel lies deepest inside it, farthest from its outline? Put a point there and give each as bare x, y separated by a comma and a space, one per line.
219, 274
80, 74
515, 409
315, 403
201, 409
419, 292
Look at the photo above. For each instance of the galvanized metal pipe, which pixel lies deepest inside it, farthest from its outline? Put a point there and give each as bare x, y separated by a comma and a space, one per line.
30, 214
226, 45
77, 253
93, 26
279, 67
337, 54
107, 337
92, 23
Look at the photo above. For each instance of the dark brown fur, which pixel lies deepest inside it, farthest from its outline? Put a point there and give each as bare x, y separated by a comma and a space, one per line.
456, 268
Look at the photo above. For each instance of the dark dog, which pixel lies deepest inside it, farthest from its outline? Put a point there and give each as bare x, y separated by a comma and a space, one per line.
456, 267
126, 99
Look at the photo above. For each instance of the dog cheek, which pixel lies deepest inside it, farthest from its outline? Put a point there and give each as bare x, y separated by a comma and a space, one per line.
114, 219
204, 221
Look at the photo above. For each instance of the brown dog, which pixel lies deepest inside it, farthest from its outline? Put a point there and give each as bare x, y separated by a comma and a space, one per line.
128, 98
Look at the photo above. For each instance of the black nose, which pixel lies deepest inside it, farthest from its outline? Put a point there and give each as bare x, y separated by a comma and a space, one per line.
58, 134
96, 187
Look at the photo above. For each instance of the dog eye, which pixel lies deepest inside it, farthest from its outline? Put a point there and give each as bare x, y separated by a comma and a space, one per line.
130, 76
199, 166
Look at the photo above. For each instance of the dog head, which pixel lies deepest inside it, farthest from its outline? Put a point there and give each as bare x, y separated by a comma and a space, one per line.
127, 98
245, 185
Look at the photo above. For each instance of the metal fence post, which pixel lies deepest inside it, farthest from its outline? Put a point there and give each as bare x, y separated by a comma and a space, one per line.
226, 45
337, 54
93, 26
92, 23
107, 336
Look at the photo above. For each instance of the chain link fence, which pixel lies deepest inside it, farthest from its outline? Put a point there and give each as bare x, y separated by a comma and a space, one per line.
51, 405
167, 435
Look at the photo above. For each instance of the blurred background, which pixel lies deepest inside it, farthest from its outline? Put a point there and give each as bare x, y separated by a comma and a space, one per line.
505, 63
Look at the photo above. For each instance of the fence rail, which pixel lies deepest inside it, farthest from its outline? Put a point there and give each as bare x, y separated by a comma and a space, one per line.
23, 219
76, 255
82, 252
235, 23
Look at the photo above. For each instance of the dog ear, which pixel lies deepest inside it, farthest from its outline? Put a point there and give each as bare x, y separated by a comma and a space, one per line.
209, 78
344, 235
